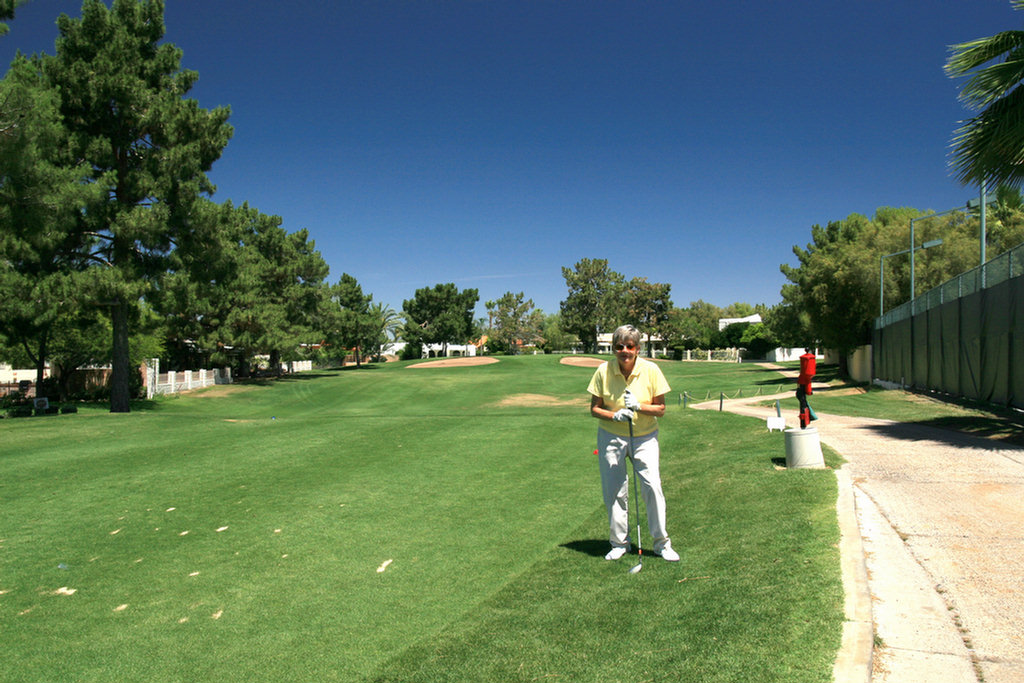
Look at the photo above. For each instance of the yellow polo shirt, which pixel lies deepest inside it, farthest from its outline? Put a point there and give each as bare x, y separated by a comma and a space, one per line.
645, 382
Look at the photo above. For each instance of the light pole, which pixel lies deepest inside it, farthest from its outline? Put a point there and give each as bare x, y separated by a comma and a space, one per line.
881, 269
980, 203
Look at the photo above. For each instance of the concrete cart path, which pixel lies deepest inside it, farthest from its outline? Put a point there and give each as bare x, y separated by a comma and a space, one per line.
941, 520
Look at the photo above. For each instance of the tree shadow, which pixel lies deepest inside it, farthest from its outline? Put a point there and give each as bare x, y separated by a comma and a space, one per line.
352, 368
959, 432
309, 375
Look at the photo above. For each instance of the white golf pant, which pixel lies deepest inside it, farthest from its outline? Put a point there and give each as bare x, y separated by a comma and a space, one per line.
612, 451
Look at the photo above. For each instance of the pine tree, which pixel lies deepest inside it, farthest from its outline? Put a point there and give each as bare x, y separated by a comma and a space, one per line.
149, 148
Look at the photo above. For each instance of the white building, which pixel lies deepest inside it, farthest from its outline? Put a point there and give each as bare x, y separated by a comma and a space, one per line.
658, 346
10, 375
725, 322
454, 350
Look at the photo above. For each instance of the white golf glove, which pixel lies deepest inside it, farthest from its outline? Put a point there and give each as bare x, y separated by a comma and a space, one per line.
631, 401
624, 415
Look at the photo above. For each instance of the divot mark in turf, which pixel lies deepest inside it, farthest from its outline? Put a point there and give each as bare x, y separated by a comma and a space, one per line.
223, 528
121, 608
380, 569
115, 532
218, 614
64, 590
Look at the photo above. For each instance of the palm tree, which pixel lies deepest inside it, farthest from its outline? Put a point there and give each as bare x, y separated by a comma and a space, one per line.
385, 323
989, 147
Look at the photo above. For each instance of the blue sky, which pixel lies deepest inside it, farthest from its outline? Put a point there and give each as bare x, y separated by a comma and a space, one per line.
490, 143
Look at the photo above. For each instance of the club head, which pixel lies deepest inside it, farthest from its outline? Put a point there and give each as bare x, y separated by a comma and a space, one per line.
636, 569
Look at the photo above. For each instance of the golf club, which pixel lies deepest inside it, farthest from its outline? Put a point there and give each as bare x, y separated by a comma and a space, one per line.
636, 503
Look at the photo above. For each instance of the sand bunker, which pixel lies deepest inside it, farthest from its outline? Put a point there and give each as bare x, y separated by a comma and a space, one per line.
457, 362
582, 361
541, 401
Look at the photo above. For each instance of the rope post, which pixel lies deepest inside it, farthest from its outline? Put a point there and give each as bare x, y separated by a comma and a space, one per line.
721, 401
778, 408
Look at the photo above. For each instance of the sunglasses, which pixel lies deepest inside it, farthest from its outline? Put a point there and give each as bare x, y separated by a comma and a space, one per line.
619, 347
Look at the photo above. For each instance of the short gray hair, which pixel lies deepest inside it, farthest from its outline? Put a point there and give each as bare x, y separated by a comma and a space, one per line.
626, 333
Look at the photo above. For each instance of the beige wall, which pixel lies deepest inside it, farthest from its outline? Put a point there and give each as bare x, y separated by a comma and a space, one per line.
860, 364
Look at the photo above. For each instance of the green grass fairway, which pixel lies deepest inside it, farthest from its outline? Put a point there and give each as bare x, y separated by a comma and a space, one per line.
389, 524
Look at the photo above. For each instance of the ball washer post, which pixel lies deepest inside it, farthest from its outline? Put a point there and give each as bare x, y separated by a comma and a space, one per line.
636, 502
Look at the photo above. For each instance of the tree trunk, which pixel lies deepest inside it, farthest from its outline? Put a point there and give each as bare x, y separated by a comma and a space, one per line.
64, 382
844, 365
120, 386
41, 366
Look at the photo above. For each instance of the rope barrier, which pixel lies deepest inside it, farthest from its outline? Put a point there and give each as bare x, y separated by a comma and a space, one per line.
685, 398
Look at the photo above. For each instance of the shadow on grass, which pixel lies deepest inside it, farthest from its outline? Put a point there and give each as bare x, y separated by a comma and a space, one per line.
267, 380
93, 407
592, 547
330, 372
595, 548
960, 432
825, 374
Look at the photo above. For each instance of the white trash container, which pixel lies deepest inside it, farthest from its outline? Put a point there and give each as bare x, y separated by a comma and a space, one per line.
803, 448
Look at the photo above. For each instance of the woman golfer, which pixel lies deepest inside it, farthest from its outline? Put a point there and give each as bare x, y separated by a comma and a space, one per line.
630, 388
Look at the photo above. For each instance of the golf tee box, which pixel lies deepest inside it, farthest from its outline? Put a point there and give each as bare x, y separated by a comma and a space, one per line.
803, 449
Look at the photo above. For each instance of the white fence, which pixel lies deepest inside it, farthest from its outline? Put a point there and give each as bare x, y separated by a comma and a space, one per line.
175, 382
724, 355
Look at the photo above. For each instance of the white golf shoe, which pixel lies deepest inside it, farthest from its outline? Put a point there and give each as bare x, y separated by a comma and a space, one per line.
616, 552
667, 553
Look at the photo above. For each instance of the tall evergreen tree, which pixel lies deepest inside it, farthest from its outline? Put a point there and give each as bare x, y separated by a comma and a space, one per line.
439, 315
516, 322
353, 325
277, 289
593, 304
198, 292
647, 306
149, 148
7, 8
42, 250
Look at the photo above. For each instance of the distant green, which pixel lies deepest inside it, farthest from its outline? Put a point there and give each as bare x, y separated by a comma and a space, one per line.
237, 535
